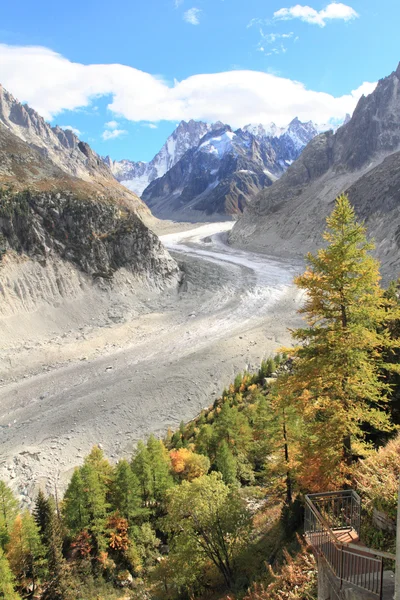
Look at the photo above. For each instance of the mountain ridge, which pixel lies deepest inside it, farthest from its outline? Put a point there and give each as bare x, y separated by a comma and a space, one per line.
221, 175
291, 213
284, 144
63, 149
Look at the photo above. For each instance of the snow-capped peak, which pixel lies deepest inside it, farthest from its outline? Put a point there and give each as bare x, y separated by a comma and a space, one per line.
262, 131
218, 145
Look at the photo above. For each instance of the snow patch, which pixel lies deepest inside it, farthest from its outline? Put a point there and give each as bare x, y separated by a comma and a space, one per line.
218, 145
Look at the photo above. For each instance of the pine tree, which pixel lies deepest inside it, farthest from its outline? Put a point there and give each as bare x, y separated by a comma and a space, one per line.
226, 463
8, 513
60, 582
43, 513
7, 580
86, 500
336, 382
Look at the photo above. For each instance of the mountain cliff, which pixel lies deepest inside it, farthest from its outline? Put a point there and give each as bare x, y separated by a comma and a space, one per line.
289, 216
60, 234
226, 170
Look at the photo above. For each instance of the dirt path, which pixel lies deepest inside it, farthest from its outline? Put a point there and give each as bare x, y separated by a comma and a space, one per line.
148, 371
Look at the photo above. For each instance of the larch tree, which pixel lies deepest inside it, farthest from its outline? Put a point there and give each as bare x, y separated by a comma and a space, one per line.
25, 552
74, 507
152, 466
337, 383
86, 505
7, 580
226, 463
8, 513
125, 493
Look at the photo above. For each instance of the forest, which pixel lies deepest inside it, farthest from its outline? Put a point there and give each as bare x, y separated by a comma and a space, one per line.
213, 510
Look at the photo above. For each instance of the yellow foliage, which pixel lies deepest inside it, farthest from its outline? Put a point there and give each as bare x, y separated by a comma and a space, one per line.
189, 465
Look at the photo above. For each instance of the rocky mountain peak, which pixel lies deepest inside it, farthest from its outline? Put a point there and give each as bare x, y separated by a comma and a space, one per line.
61, 146
374, 128
346, 119
362, 158
137, 175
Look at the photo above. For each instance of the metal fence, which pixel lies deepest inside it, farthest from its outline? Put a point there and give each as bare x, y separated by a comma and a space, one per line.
327, 516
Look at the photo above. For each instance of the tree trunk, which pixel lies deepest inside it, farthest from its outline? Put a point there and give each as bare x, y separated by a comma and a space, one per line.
347, 452
288, 476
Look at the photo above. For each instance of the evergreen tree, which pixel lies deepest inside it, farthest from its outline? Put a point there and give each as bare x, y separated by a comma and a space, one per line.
7, 580
205, 440
8, 513
43, 513
60, 583
96, 506
226, 463
336, 382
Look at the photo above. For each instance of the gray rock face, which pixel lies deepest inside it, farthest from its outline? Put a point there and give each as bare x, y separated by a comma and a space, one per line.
288, 217
61, 146
136, 176
226, 170
45, 213
98, 237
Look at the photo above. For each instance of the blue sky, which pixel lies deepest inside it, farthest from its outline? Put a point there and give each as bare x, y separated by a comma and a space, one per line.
125, 73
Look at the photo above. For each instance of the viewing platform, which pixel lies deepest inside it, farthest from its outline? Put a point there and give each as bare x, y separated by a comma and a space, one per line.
347, 569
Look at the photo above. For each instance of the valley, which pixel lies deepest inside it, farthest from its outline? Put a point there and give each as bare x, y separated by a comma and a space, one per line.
146, 361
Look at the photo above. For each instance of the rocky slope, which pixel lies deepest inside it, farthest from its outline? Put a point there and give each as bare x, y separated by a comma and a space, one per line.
226, 170
288, 217
51, 222
136, 176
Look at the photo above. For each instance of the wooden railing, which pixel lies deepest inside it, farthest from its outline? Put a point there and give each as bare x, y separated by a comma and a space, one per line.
327, 517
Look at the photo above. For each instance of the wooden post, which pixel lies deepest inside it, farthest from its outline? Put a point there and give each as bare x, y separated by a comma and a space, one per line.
397, 572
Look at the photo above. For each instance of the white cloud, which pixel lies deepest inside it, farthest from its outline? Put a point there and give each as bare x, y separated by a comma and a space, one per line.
50, 84
257, 21
150, 125
73, 129
271, 38
192, 16
177, 3
334, 10
109, 134
111, 125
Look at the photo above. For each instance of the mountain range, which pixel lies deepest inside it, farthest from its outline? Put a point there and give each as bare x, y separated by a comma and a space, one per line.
209, 169
362, 158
